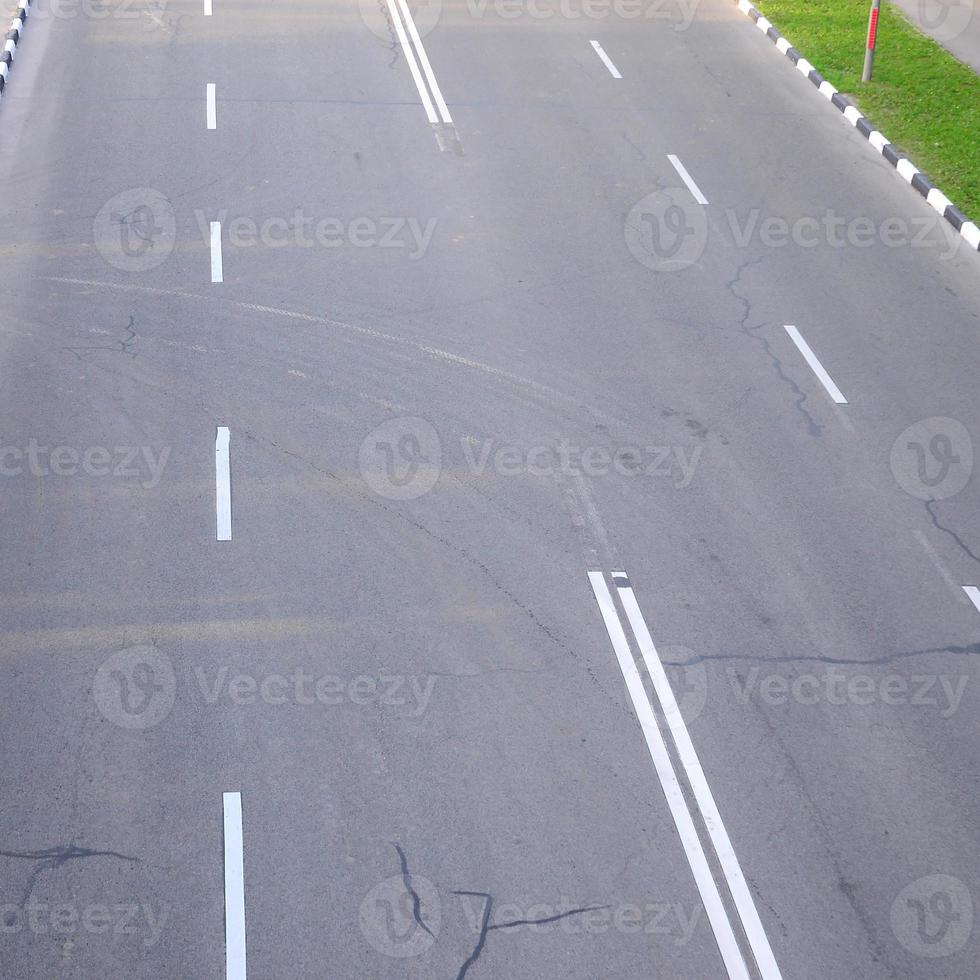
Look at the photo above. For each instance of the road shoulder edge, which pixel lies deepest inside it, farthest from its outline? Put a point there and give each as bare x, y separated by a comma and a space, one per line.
935, 198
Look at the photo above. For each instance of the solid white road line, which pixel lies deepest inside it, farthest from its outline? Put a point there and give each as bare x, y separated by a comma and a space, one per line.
222, 479
818, 369
207, 8
688, 179
974, 593
613, 70
713, 905
217, 274
234, 888
424, 59
212, 112
413, 65
737, 886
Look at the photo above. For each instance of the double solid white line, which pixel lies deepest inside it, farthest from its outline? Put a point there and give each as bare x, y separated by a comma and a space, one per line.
401, 17
234, 887
721, 925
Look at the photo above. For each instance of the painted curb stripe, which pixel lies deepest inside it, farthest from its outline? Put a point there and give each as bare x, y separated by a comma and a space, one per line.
906, 169
12, 40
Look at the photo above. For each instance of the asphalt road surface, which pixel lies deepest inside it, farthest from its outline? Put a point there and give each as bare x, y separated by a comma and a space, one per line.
495, 503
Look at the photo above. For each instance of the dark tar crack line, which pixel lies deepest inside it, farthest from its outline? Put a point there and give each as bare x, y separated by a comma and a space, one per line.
416, 900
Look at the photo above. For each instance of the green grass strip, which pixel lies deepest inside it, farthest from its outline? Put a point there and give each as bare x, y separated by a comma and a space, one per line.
921, 97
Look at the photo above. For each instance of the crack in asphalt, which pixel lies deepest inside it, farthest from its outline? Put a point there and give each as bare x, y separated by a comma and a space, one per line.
547, 919
948, 530
467, 556
125, 344
123, 347
967, 650
395, 47
416, 900
486, 928
51, 858
813, 427
635, 147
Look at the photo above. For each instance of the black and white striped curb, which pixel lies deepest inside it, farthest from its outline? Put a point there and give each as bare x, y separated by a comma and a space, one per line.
935, 198
13, 39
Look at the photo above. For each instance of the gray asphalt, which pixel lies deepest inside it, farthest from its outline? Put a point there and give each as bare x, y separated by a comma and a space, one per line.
955, 24
799, 563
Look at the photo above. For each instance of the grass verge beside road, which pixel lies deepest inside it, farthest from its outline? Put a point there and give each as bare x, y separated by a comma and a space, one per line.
921, 97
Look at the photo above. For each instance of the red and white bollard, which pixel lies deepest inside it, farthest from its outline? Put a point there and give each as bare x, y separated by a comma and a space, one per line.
869, 54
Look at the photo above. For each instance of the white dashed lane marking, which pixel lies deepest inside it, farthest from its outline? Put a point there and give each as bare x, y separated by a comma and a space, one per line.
818, 369
217, 270
222, 479
688, 179
606, 60
234, 888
